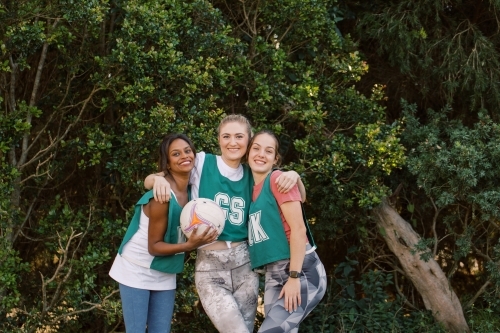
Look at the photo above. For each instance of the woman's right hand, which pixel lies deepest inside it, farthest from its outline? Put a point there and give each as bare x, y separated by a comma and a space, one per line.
197, 238
161, 189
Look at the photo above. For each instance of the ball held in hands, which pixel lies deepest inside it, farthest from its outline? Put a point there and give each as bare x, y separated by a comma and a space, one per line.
200, 213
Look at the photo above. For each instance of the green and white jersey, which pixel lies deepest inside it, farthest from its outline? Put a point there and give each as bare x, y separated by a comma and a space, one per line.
173, 235
234, 196
266, 235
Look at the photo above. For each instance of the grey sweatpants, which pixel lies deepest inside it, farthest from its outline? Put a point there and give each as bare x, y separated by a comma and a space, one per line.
312, 290
228, 288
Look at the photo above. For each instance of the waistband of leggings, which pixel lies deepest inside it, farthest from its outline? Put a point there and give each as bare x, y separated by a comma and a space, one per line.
310, 249
280, 265
212, 260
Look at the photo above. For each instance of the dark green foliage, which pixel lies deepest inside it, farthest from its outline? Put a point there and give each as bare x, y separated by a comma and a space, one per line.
455, 169
365, 305
438, 52
484, 318
442, 56
188, 313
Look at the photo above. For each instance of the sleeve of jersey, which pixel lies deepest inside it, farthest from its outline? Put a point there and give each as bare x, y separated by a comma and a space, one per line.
281, 198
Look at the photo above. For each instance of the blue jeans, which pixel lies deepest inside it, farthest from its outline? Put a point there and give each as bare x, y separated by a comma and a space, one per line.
142, 307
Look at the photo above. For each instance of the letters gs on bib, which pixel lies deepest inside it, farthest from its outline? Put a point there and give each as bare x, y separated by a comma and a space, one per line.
234, 208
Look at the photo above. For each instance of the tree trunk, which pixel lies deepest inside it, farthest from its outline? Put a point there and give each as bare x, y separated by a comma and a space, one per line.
427, 277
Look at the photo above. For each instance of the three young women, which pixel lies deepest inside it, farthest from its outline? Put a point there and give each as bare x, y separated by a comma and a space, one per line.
152, 251
226, 284
280, 240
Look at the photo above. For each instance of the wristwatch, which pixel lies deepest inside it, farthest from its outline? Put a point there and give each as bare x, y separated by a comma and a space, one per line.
294, 274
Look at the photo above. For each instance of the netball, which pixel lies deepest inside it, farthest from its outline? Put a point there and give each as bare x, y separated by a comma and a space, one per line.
202, 213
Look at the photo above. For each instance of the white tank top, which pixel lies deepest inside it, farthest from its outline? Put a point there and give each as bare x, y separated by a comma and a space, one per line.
130, 273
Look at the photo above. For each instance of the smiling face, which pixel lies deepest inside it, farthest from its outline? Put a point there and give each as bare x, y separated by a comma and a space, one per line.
233, 141
262, 155
180, 158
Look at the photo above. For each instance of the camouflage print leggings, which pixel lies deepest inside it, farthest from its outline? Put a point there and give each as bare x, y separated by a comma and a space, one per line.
312, 290
228, 288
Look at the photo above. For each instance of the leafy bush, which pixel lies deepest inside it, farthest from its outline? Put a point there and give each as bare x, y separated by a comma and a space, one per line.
365, 305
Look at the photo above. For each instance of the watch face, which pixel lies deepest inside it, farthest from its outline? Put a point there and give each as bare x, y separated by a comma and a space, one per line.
294, 274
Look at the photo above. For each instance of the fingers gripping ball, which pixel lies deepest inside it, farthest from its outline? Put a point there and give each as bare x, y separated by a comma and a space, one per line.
202, 213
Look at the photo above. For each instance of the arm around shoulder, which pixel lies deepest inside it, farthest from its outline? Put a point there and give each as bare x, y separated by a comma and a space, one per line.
160, 186
149, 182
302, 190
287, 180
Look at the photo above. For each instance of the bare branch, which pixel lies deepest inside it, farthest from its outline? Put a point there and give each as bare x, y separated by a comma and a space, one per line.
64, 254
53, 114
26, 217
352, 175
479, 293
434, 222
34, 239
235, 19
452, 270
36, 174
117, 198
64, 258
496, 226
55, 296
39, 69
44, 294
297, 46
93, 306
405, 299
287, 30
64, 251
247, 21
12, 100
41, 153
481, 254
61, 264
372, 260
113, 330
34, 92
257, 3
13, 79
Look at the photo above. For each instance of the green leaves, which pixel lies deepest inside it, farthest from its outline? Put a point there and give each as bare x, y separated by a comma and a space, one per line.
441, 53
117, 77
364, 305
454, 163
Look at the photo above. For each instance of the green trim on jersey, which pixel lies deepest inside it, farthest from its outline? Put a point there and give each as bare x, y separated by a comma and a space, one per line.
234, 197
167, 264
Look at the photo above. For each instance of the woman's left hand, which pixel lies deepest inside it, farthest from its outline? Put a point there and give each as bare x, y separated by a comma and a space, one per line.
287, 180
291, 291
